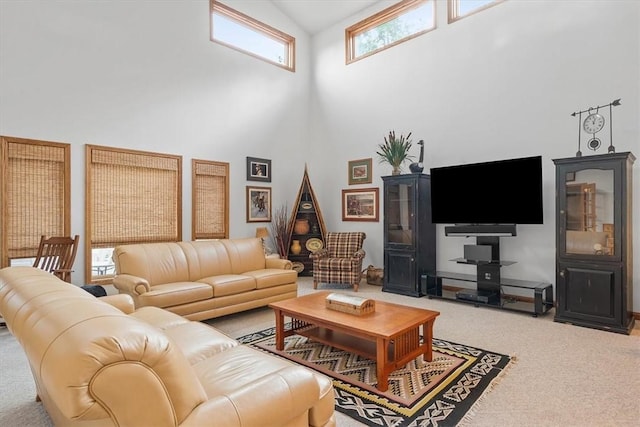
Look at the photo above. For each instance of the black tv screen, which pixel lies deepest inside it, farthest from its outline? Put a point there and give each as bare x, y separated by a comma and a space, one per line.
499, 192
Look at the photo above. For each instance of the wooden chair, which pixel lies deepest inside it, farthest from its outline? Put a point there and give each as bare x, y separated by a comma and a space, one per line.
56, 255
341, 260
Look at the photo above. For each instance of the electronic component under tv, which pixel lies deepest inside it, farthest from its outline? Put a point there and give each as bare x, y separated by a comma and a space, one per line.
498, 192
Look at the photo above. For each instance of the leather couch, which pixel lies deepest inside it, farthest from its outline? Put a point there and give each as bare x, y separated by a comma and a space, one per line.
100, 362
203, 279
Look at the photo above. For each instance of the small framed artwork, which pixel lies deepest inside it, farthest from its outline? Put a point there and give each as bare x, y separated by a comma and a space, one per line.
360, 171
258, 169
360, 204
258, 204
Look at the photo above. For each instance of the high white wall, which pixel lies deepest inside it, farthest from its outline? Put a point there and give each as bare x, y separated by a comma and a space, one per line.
145, 75
499, 84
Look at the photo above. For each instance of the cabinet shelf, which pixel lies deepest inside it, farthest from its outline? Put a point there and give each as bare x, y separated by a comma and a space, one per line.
499, 262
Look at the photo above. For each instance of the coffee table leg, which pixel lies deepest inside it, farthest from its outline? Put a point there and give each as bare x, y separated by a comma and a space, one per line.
382, 348
279, 329
427, 330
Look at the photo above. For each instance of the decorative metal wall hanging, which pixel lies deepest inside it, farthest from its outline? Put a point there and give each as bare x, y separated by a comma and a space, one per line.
593, 123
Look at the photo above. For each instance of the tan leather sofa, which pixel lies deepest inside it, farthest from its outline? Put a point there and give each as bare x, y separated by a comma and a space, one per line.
203, 279
100, 362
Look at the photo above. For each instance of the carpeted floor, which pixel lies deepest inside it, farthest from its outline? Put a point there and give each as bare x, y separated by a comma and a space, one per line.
565, 375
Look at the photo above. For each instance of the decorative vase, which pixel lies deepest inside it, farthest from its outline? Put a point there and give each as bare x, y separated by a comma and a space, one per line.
315, 229
396, 170
301, 226
295, 247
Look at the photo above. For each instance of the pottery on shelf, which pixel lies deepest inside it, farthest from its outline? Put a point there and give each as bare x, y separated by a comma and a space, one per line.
301, 226
295, 247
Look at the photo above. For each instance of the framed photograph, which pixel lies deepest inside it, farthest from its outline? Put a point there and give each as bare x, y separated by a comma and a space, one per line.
258, 169
360, 171
258, 204
360, 204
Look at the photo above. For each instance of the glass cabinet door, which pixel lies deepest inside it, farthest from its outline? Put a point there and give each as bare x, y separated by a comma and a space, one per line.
589, 212
399, 215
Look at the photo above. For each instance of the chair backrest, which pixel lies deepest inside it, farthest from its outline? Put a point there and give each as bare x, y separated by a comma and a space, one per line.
56, 255
344, 244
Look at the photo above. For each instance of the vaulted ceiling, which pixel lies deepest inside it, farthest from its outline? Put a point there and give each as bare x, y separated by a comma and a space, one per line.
317, 15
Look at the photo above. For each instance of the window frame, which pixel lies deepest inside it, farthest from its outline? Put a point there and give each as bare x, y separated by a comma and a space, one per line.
255, 25
453, 14
380, 18
155, 162
197, 234
64, 228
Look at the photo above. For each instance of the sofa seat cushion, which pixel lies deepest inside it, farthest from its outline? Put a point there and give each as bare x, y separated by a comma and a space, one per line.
229, 284
337, 264
176, 293
270, 277
161, 319
235, 369
199, 341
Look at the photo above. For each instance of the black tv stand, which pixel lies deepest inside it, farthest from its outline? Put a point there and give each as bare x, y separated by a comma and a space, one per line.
490, 286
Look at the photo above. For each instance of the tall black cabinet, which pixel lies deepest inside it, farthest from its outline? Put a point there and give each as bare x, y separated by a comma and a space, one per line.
594, 257
409, 235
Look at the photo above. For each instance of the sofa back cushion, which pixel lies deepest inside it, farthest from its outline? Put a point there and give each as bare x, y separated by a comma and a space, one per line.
245, 254
206, 258
158, 263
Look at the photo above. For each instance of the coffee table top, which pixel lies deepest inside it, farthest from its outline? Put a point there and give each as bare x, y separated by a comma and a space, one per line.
388, 319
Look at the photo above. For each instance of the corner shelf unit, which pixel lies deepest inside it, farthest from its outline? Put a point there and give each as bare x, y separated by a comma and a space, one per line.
306, 207
491, 289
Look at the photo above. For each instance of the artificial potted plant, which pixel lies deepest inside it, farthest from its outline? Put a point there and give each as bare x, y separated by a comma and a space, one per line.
395, 151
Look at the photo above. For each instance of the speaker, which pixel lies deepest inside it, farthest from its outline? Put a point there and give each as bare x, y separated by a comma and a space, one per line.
477, 253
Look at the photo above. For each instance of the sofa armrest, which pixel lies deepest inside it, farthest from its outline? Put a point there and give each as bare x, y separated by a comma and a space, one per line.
322, 253
122, 302
131, 285
283, 264
360, 253
292, 391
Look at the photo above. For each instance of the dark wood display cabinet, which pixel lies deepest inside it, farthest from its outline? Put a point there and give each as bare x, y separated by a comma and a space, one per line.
594, 257
306, 228
409, 236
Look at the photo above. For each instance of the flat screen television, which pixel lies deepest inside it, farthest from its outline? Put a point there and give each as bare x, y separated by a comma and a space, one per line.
497, 192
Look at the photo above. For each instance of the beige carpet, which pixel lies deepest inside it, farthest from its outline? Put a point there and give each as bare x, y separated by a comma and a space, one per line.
565, 375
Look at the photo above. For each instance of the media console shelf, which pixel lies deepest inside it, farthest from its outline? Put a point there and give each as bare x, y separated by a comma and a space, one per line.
485, 255
442, 285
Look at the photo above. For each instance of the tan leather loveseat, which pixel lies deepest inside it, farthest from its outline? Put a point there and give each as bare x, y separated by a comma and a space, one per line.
106, 364
203, 279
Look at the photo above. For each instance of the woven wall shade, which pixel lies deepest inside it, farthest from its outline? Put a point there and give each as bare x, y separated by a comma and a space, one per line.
210, 214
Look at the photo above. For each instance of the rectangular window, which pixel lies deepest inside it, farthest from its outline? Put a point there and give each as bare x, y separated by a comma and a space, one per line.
210, 199
131, 197
35, 196
245, 34
396, 24
459, 9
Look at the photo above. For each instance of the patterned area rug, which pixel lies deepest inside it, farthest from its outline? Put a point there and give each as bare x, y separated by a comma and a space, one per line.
437, 393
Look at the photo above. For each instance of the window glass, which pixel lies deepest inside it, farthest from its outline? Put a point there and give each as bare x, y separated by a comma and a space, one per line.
460, 8
394, 25
241, 32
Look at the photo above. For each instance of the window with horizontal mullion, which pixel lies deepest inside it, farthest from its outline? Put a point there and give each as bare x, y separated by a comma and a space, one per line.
35, 195
132, 197
210, 199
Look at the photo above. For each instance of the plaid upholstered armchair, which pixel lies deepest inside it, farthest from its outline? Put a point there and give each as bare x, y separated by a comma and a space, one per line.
340, 261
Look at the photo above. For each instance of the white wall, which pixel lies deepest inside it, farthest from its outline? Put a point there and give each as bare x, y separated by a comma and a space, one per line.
144, 75
499, 84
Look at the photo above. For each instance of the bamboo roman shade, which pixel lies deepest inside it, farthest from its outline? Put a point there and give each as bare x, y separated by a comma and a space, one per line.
210, 213
35, 199
133, 197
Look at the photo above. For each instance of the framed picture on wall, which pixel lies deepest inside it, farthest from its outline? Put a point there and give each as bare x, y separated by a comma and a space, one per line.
258, 169
258, 204
360, 171
360, 204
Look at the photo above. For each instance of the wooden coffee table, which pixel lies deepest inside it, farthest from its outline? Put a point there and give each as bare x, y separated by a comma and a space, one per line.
390, 335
